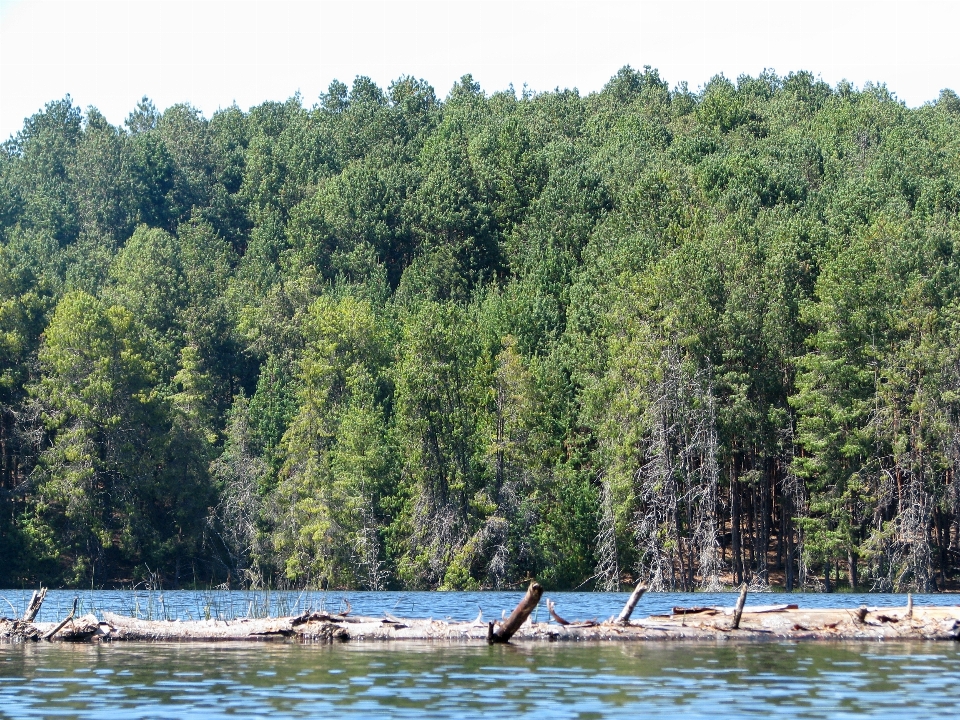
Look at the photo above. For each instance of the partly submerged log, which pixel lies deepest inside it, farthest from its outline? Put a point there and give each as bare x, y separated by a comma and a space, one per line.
310, 626
760, 622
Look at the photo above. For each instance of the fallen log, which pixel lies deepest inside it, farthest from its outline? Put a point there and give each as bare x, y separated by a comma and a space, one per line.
696, 610
518, 617
313, 626
755, 623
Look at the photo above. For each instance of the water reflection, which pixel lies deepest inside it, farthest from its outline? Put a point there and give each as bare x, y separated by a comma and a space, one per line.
465, 681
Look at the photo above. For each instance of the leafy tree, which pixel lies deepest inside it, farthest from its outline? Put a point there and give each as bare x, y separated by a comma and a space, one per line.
94, 479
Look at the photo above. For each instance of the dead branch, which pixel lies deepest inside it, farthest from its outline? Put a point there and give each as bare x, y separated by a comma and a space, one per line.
559, 620
67, 619
624, 617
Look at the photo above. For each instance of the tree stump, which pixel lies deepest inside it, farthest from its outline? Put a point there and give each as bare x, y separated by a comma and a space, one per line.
517, 618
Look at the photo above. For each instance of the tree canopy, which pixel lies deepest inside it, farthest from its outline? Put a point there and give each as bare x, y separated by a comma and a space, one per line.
393, 340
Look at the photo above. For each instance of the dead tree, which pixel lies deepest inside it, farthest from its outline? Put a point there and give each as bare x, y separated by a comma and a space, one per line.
676, 523
608, 566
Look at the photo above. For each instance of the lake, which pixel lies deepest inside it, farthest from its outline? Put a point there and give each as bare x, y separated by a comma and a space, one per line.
574, 680
571, 680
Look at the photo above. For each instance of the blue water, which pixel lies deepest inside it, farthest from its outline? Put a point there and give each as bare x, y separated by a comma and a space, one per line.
715, 680
227, 605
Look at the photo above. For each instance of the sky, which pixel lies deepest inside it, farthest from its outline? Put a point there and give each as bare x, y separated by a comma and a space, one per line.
213, 53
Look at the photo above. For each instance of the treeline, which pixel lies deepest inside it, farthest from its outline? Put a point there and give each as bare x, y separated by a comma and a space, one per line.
394, 341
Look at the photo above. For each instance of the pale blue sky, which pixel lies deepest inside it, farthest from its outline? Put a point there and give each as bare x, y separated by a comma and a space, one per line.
211, 53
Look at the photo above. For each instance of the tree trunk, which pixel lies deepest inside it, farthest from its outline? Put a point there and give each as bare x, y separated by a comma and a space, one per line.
852, 569
517, 618
735, 557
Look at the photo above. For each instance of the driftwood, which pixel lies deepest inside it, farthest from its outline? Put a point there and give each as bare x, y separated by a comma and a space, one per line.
738, 609
36, 600
624, 617
311, 627
518, 617
696, 610
759, 622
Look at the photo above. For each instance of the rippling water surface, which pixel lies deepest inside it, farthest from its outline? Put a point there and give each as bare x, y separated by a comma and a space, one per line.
571, 680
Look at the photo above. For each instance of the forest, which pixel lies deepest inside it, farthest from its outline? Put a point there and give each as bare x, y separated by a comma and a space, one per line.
397, 341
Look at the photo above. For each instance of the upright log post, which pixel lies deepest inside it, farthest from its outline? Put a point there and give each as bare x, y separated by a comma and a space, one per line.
738, 610
624, 617
909, 606
36, 600
518, 617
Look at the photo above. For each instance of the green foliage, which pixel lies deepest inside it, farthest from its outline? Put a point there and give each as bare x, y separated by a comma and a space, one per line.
337, 455
396, 341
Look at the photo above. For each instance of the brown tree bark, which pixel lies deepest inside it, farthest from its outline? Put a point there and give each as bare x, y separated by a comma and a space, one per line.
517, 618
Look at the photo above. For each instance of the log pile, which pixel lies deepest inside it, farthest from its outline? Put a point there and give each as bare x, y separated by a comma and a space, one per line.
743, 622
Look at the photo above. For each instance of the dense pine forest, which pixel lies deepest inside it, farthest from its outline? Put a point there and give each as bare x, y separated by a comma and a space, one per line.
394, 341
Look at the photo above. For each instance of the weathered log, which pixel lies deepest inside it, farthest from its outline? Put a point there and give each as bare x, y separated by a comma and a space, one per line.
758, 622
36, 600
694, 610
18, 630
81, 629
393, 620
771, 608
518, 617
738, 610
67, 619
909, 613
311, 627
624, 617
